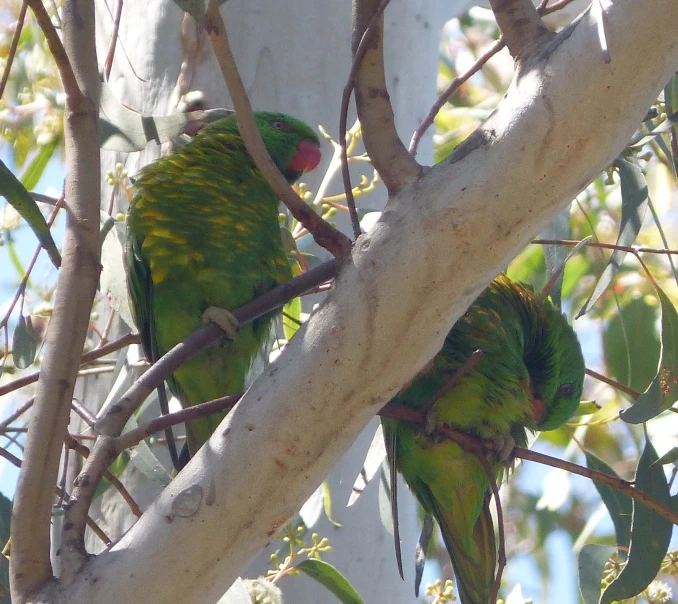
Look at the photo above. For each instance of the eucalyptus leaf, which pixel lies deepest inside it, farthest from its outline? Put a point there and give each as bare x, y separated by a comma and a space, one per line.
20, 199
332, 579
24, 345
634, 203
663, 391
650, 532
592, 559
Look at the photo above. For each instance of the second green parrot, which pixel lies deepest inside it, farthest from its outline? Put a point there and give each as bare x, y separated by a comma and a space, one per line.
203, 232
530, 377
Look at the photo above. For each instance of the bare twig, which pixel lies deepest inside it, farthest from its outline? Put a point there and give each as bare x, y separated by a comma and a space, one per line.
114, 40
18, 413
521, 26
113, 423
84, 451
12, 49
219, 405
395, 165
343, 115
501, 546
324, 234
631, 249
68, 79
461, 79
126, 340
61, 494
610, 382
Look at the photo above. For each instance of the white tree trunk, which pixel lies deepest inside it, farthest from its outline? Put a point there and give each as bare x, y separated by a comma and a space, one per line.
293, 57
438, 244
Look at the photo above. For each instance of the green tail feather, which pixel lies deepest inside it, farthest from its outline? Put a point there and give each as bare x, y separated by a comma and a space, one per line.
475, 569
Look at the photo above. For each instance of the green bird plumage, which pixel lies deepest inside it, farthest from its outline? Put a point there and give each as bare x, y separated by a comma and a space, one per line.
203, 232
529, 377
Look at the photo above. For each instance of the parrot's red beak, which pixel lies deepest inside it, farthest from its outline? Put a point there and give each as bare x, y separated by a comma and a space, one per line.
538, 410
306, 158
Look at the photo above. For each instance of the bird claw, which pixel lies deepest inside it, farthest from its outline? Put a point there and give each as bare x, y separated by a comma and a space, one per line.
503, 448
224, 319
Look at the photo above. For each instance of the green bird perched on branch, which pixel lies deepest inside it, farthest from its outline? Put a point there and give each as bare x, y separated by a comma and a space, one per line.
529, 377
203, 236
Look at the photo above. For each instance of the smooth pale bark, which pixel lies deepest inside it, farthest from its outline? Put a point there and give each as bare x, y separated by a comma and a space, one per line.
438, 244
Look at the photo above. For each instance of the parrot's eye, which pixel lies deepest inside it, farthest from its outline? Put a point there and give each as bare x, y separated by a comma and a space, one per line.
279, 125
565, 389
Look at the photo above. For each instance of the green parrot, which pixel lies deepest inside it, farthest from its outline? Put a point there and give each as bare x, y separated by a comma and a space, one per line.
529, 377
203, 233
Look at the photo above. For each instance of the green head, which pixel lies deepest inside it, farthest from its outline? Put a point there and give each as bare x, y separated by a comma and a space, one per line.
293, 146
556, 370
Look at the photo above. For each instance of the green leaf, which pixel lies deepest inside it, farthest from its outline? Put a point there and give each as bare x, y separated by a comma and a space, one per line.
32, 173
663, 391
592, 559
17, 195
125, 130
619, 505
555, 255
291, 317
332, 579
634, 204
650, 532
24, 345
327, 503
631, 344
669, 456
587, 408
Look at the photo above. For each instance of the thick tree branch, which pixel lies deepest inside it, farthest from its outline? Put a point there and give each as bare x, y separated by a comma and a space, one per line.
408, 280
30, 564
521, 27
395, 165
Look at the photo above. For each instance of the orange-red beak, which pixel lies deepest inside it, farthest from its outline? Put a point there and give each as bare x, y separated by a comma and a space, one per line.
306, 158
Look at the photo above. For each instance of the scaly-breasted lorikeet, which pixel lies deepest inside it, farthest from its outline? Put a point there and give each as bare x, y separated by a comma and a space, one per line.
203, 232
530, 377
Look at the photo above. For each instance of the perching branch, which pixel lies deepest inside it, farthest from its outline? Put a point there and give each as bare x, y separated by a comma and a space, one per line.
323, 233
30, 565
395, 165
110, 426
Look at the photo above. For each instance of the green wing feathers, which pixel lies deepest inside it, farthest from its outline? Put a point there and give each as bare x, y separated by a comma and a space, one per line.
529, 377
203, 231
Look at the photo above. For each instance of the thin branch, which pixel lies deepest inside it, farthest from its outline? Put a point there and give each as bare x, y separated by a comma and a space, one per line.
126, 340
615, 482
455, 85
84, 451
521, 27
18, 413
30, 565
12, 49
68, 79
610, 382
4, 453
631, 249
461, 79
24, 280
323, 233
134, 437
107, 446
501, 558
114, 40
482, 447
389, 156
115, 420
343, 116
